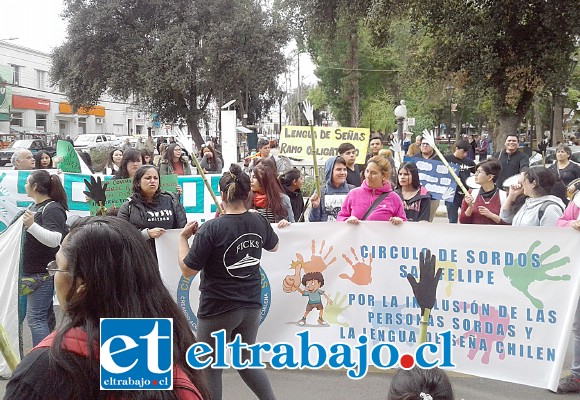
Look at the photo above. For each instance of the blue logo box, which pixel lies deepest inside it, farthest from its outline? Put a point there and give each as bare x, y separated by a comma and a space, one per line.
136, 353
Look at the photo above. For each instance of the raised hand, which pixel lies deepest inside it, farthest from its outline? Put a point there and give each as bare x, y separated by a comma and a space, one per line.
425, 290
448, 194
429, 137
186, 141
396, 145
96, 190
308, 112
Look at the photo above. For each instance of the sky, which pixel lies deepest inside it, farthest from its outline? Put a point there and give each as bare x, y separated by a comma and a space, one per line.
37, 25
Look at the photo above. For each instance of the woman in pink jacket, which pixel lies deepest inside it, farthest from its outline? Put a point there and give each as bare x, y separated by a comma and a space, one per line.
376, 185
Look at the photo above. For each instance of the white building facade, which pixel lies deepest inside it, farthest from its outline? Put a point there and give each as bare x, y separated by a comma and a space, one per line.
35, 106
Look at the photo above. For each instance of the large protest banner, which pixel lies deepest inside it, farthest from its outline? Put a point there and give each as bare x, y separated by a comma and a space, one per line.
196, 199
296, 142
507, 294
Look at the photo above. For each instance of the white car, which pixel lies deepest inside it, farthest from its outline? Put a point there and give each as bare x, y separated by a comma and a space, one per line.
89, 140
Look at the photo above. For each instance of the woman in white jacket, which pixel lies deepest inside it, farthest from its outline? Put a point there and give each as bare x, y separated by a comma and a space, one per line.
540, 207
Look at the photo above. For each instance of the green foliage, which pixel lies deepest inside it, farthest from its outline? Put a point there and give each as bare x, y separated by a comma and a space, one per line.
99, 155
173, 56
309, 183
505, 49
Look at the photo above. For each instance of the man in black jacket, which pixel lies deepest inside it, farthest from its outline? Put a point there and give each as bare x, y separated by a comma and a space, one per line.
512, 160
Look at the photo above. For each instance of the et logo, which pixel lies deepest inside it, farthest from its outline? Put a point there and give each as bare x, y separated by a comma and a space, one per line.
136, 354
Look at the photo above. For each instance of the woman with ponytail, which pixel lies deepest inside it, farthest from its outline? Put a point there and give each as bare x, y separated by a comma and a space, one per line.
228, 250
45, 225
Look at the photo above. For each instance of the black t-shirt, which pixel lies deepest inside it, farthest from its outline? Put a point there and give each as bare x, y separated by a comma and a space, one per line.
160, 215
466, 167
353, 176
228, 250
51, 216
566, 175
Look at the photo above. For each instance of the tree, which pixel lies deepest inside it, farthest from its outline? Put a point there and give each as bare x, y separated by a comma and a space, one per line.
325, 25
173, 56
505, 49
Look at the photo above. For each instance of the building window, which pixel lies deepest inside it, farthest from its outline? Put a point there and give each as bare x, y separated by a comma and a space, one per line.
16, 76
16, 119
41, 79
82, 126
41, 122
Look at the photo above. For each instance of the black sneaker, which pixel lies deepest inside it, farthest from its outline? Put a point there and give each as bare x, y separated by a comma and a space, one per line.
569, 384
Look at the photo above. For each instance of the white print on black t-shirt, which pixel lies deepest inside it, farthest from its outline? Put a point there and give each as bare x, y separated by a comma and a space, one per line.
333, 204
243, 255
161, 215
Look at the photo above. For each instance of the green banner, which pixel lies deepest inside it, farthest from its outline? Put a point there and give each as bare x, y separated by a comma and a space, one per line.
169, 183
70, 159
6, 75
118, 191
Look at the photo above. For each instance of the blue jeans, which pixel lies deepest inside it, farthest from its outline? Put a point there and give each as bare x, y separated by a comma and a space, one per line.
576, 343
40, 312
452, 212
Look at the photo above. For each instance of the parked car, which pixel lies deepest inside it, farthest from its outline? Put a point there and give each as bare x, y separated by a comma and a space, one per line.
34, 145
89, 140
536, 159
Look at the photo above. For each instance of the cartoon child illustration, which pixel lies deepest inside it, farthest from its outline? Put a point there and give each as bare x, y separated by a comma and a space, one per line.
312, 282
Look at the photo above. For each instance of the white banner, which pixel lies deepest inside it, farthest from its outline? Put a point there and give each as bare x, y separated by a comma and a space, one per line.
10, 242
507, 294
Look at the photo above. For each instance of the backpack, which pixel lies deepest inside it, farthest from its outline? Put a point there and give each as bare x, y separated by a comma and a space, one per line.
74, 340
544, 206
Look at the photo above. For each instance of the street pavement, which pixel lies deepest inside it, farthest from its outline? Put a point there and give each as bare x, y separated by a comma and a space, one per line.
335, 385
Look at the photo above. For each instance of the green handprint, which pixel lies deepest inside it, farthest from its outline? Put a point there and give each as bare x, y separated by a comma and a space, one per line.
522, 278
332, 311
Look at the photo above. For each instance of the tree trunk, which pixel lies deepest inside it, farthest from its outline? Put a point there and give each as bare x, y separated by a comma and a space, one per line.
538, 120
354, 78
557, 135
508, 125
243, 110
192, 126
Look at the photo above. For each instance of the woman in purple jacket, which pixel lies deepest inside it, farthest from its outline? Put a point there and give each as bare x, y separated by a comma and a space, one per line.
377, 184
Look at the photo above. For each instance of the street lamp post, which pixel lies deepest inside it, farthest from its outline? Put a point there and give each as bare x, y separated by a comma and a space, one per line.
401, 114
450, 90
